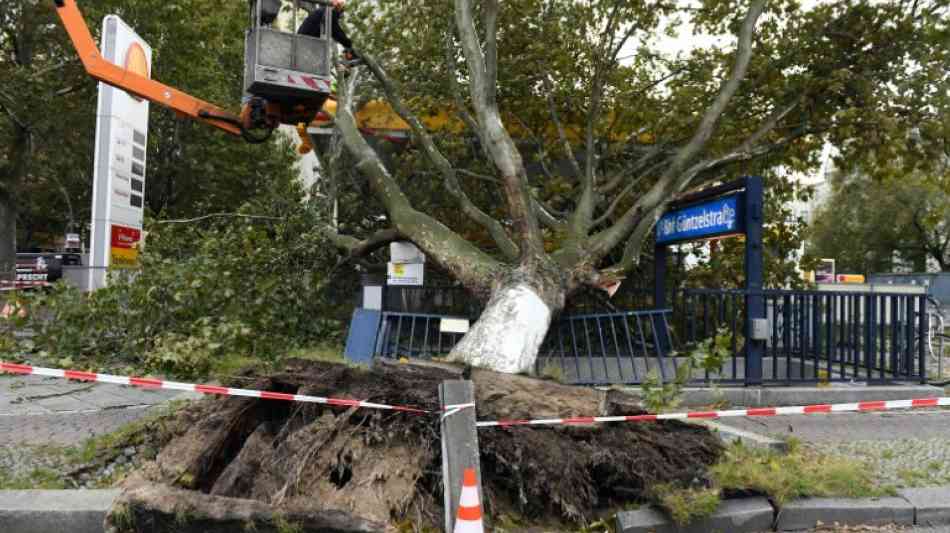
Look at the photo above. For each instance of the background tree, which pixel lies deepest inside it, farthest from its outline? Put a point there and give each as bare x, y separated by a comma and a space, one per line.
889, 195
622, 127
48, 107
867, 224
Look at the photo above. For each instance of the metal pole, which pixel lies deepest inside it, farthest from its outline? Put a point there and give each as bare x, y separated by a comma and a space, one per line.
659, 276
754, 274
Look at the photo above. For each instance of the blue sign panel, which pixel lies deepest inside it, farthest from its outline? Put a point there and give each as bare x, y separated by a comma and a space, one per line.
708, 219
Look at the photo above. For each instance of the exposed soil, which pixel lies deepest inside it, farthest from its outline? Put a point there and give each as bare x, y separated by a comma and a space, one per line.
374, 469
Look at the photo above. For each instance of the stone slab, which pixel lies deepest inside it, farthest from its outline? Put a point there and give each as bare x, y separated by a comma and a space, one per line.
931, 505
749, 439
54, 511
749, 515
805, 514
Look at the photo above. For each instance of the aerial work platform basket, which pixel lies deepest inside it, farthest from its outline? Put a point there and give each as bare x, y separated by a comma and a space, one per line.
284, 67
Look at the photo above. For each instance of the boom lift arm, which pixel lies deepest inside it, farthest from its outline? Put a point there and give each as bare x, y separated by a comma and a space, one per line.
99, 68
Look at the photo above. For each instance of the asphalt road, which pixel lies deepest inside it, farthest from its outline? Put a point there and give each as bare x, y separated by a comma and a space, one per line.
37, 410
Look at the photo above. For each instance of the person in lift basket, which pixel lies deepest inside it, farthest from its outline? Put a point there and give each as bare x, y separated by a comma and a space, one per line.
313, 27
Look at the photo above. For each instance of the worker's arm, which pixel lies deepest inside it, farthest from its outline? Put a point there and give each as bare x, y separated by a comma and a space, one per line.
146, 88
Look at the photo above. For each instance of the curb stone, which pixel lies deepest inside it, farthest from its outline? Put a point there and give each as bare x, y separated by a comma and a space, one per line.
932, 505
748, 515
782, 396
805, 514
730, 434
54, 511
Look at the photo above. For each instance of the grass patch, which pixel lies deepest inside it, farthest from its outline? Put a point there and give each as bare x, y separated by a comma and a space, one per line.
553, 372
686, 505
232, 365
106, 447
329, 353
797, 474
38, 478
913, 477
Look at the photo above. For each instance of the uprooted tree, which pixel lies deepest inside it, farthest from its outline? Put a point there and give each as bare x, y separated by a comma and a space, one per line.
618, 129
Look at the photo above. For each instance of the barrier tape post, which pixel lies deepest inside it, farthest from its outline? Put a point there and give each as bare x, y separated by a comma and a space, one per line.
459, 443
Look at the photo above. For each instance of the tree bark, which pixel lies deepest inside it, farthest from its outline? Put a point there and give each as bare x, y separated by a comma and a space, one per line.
7, 234
508, 334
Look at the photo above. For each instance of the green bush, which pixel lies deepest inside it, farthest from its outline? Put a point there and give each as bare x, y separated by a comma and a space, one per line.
709, 355
230, 286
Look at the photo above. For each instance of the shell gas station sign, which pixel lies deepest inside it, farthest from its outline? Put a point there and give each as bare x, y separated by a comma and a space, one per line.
124, 251
121, 145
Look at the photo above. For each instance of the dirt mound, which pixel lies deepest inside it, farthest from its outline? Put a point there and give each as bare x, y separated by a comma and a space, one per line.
300, 461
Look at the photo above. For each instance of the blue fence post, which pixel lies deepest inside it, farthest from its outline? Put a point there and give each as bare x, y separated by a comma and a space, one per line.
923, 332
754, 269
659, 276
660, 253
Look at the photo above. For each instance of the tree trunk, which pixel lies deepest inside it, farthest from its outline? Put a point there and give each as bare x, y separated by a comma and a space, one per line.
507, 336
7, 235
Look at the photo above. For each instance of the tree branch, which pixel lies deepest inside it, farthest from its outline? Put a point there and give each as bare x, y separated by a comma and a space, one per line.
216, 215
461, 258
360, 248
635, 166
490, 20
507, 247
708, 124
561, 132
500, 146
647, 208
619, 198
13, 116
467, 117
478, 176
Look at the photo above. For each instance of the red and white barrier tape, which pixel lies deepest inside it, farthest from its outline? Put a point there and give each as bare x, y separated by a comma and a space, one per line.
150, 383
449, 410
883, 405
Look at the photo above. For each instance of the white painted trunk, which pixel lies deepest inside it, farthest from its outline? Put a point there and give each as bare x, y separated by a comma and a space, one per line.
509, 333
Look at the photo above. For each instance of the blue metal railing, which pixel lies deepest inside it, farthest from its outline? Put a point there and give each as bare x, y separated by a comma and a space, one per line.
812, 336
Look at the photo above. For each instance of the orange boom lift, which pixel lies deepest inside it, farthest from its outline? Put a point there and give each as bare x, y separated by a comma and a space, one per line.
286, 76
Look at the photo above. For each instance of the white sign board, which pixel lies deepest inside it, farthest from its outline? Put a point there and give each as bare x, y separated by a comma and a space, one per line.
405, 274
118, 190
453, 325
405, 252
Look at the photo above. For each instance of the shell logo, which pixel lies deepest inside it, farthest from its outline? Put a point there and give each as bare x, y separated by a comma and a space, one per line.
136, 62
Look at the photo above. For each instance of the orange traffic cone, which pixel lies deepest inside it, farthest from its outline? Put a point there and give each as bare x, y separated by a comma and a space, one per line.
469, 518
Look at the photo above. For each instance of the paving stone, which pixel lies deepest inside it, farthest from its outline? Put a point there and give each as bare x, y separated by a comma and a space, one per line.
643, 520
931, 505
748, 515
805, 514
54, 511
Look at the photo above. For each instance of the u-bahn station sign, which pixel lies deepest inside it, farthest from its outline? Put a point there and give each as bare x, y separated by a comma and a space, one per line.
715, 218
722, 211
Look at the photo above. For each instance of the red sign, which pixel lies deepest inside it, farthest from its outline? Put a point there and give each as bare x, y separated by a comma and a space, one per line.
125, 253
123, 237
